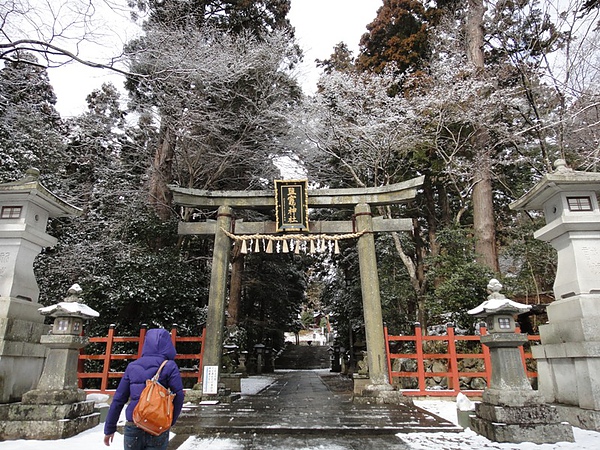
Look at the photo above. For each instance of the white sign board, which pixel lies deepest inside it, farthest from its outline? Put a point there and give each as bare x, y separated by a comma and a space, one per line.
210, 380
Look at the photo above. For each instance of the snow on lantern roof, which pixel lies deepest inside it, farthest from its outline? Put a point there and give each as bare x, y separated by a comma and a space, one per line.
498, 303
563, 179
70, 306
30, 189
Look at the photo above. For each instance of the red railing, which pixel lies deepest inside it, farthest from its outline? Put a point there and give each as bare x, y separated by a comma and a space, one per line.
107, 357
451, 356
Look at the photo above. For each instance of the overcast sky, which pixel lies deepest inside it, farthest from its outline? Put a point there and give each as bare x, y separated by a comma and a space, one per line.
320, 25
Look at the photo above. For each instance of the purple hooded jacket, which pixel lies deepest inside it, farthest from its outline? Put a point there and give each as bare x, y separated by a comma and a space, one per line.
157, 348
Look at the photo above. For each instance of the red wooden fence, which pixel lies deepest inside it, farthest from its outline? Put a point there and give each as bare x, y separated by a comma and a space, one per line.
107, 356
451, 356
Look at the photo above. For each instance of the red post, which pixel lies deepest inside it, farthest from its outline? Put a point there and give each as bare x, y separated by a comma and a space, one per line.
486, 358
142, 339
81, 365
453, 361
107, 357
200, 363
387, 353
174, 334
420, 362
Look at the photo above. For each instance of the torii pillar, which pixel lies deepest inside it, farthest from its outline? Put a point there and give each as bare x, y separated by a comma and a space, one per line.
369, 279
215, 320
379, 388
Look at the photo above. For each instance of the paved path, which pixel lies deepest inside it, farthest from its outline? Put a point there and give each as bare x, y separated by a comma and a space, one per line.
299, 411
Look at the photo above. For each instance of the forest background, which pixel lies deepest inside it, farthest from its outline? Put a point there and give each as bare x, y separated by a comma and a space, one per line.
478, 96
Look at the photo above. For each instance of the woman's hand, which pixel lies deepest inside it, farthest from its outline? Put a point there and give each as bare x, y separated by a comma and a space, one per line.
108, 439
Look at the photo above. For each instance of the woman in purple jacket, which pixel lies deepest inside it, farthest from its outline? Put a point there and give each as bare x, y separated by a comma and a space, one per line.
157, 347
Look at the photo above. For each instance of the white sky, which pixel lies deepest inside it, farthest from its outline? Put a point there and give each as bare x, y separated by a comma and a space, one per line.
320, 25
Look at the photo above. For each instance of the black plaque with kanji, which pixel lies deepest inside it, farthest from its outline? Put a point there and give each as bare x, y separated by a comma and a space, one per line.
291, 205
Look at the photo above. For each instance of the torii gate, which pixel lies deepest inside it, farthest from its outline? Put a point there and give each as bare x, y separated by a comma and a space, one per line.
363, 226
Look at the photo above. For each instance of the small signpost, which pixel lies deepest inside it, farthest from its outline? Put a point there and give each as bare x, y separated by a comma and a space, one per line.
210, 380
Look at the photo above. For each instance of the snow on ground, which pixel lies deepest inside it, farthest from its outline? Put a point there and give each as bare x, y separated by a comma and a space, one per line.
93, 439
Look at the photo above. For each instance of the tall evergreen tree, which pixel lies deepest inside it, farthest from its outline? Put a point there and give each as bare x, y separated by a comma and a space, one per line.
398, 36
31, 130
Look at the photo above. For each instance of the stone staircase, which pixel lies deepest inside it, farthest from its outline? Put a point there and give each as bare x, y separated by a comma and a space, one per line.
303, 357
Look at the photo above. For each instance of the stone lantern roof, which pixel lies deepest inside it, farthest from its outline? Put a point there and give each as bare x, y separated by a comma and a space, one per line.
562, 179
498, 303
30, 189
70, 307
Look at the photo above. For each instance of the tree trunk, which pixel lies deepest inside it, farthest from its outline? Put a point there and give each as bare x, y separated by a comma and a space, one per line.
162, 172
484, 224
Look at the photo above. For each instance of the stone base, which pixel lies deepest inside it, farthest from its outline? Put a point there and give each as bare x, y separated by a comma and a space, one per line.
46, 422
381, 397
196, 396
21, 354
587, 419
232, 381
512, 398
57, 397
463, 418
360, 382
517, 433
32, 412
539, 414
539, 424
569, 358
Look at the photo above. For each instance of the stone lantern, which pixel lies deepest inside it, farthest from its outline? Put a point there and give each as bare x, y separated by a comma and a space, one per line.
498, 313
57, 408
511, 411
69, 314
59, 377
568, 359
25, 208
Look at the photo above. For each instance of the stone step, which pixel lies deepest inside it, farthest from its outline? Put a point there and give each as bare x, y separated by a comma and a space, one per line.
303, 357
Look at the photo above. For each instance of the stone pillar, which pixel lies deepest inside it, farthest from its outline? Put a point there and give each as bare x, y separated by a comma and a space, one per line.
568, 359
215, 320
26, 205
369, 278
58, 383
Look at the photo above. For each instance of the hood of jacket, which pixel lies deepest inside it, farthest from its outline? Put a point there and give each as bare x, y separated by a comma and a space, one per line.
158, 343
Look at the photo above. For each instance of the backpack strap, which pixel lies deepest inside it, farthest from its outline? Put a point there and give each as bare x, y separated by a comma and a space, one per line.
155, 377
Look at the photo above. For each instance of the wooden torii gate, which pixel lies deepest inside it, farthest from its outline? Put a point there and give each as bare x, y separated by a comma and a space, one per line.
363, 225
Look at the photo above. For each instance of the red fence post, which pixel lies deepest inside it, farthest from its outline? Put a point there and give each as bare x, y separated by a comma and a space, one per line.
174, 335
453, 361
420, 361
486, 358
142, 339
200, 363
387, 353
81, 366
107, 357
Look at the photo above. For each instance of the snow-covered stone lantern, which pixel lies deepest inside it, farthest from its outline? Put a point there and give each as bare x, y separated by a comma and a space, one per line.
498, 311
59, 377
511, 411
56, 408
69, 314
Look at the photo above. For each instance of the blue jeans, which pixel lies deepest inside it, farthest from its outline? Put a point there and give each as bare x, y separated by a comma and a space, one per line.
137, 439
